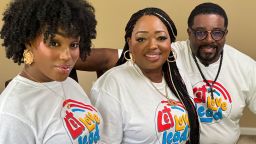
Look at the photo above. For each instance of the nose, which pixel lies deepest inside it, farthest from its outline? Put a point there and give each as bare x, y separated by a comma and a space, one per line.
65, 54
209, 37
152, 44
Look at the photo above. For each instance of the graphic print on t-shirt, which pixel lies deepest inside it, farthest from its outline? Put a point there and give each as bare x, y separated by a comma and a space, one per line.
211, 109
81, 121
171, 123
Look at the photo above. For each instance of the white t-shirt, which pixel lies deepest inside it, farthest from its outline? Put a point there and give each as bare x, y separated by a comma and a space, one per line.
135, 112
47, 113
235, 89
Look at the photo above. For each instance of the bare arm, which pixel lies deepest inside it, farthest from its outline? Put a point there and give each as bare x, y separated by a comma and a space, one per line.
100, 60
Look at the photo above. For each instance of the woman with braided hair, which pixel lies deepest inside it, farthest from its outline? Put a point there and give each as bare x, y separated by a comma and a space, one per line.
144, 99
41, 105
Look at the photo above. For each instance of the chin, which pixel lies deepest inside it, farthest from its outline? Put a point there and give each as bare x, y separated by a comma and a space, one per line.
207, 57
60, 79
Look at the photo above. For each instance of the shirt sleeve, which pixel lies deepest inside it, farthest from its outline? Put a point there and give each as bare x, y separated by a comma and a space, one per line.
187, 83
15, 131
111, 112
251, 101
119, 52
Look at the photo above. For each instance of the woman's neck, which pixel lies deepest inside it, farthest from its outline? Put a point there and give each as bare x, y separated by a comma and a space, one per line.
154, 76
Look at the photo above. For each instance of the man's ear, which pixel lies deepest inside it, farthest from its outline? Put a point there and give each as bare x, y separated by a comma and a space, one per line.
226, 32
188, 31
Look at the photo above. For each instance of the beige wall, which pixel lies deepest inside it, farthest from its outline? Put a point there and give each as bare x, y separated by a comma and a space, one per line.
112, 16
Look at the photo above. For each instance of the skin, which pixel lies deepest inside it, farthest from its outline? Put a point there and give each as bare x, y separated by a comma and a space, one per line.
99, 60
53, 60
150, 46
208, 50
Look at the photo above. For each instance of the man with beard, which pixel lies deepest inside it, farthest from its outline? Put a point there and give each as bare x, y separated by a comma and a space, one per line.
223, 78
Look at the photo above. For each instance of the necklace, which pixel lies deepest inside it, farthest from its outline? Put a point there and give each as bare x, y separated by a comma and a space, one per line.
169, 100
211, 89
34, 79
165, 94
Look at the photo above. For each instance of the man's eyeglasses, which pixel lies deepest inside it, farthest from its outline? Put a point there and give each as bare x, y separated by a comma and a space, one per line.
215, 34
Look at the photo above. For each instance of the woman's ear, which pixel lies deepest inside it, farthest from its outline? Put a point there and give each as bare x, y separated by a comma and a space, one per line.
129, 44
28, 46
28, 56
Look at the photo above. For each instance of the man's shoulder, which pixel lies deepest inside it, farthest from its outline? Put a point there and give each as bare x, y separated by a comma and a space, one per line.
180, 44
181, 47
234, 54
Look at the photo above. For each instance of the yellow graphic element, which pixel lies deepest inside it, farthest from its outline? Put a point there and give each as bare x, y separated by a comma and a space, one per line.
214, 104
94, 117
181, 122
224, 106
90, 121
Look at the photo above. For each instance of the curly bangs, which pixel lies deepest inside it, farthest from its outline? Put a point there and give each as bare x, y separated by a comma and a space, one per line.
25, 19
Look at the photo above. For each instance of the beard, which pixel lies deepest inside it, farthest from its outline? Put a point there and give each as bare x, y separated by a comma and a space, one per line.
208, 53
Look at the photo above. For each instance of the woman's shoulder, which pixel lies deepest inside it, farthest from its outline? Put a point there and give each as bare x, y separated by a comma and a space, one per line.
115, 76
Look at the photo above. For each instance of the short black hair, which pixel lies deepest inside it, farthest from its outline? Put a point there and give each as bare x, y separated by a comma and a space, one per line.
207, 8
26, 19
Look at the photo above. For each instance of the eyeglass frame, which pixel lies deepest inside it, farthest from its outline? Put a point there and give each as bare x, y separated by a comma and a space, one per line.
206, 32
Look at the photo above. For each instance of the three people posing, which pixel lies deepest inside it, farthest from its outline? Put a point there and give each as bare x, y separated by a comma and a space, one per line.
147, 98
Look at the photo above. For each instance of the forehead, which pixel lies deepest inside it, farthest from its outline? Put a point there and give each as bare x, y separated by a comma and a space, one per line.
60, 33
149, 23
208, 21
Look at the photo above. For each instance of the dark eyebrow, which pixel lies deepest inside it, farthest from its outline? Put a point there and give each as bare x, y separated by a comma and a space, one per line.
141, 32
61, 34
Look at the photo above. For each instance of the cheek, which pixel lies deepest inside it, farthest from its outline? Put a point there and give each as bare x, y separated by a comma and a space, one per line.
135, 54
166, 49
135, 48
166, 53
222, 42
43, 52
75, 53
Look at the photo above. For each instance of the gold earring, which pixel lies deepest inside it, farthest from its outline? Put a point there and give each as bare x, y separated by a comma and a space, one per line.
130, 56
28, 57
173, 57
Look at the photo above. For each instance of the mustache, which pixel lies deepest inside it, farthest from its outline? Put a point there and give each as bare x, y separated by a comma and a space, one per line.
208, 45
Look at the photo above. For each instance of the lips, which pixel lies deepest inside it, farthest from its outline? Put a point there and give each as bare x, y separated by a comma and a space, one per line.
153, 56
65, 69
208, 49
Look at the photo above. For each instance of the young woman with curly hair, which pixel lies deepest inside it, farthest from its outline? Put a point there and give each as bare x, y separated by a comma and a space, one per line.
41, 104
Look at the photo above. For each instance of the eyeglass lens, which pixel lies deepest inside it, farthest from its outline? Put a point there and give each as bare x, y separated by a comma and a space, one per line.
215, 34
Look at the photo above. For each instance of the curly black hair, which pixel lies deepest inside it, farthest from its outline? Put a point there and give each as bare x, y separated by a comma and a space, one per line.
25, 19
170, 69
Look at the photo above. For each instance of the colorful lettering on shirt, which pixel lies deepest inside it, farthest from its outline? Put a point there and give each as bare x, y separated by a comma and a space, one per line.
211, 109
172, 123
82, 122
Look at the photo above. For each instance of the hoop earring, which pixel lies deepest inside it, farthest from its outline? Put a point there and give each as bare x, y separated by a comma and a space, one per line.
130, 56
173, 57
28, 57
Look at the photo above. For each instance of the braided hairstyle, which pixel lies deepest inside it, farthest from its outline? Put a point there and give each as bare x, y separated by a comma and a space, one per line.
170, 69
207, 8
26, 19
